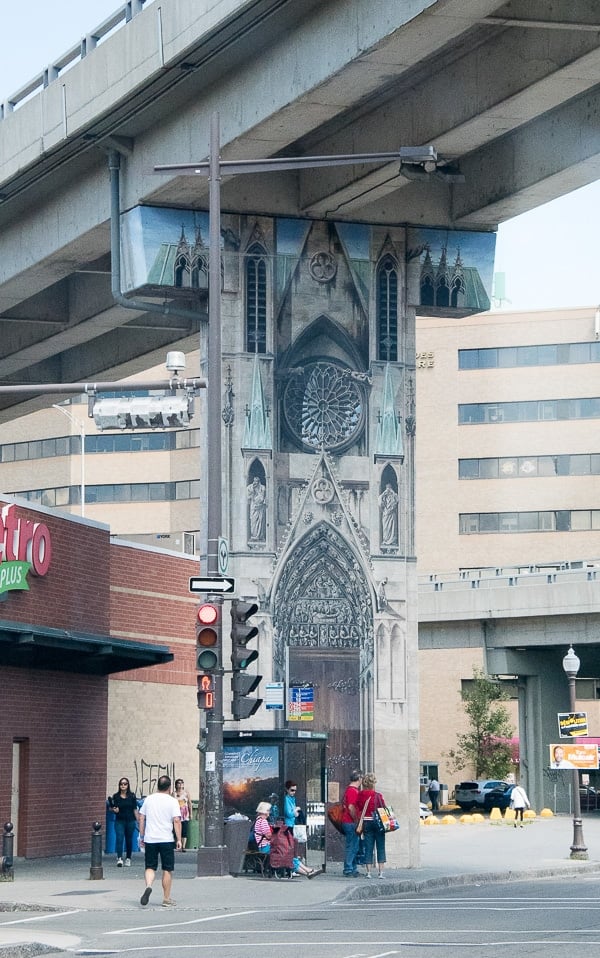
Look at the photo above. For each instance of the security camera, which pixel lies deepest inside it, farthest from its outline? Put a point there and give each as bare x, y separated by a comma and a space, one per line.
175, 362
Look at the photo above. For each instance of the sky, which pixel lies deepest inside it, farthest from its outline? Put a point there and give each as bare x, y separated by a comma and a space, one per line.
550, 257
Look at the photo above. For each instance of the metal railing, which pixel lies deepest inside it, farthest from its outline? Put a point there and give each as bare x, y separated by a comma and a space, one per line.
546, 573
121, 16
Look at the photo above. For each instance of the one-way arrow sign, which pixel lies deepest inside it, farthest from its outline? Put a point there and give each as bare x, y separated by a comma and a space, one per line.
212, 583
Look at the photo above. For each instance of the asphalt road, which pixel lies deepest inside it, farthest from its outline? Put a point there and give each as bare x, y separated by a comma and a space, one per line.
550, 917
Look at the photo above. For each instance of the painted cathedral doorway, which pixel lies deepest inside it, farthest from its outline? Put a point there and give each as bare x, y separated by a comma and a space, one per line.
323, 621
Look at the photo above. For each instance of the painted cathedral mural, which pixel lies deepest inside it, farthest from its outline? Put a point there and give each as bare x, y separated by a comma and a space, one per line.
319, 424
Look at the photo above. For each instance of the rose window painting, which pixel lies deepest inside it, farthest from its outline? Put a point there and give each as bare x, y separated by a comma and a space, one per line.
324, 406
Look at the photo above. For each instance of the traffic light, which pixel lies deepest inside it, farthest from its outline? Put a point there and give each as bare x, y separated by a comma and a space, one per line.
206, 694
242, 632
208, 637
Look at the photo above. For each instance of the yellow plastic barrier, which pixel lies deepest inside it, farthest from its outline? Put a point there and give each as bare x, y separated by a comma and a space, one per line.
546, 813
448, 820
495, 815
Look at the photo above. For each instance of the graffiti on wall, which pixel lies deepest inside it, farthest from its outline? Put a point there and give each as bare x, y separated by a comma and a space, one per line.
147, 775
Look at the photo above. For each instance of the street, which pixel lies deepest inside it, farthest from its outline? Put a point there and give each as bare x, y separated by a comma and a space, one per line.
528, 918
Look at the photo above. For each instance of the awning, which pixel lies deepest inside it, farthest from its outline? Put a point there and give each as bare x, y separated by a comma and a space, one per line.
40, 647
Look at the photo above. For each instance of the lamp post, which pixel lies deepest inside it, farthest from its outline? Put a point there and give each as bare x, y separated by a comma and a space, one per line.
77, 422
579, 850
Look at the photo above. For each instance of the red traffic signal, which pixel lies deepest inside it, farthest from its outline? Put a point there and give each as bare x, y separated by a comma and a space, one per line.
205, 694
208, 637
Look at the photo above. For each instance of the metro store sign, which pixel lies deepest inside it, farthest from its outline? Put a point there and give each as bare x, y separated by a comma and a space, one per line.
25, 546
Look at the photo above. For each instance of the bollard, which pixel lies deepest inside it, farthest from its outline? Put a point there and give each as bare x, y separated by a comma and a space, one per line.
96, 872
7, 859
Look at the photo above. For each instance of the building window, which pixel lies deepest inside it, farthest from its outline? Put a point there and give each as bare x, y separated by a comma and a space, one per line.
506, 357
543, 410
562, 520
113, 492
530, 467
387, 310
256, 300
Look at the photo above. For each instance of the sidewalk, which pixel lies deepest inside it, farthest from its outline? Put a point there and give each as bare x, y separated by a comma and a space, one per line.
450, 854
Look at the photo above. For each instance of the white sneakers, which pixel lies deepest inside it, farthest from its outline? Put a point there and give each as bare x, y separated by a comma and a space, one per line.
127, 862
119, 862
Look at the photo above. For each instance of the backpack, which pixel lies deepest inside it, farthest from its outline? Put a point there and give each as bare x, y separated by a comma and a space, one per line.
335, 812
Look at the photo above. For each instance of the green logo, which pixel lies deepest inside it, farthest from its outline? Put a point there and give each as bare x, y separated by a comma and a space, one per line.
13, 575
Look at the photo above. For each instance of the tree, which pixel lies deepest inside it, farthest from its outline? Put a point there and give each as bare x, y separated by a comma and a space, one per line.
485, 745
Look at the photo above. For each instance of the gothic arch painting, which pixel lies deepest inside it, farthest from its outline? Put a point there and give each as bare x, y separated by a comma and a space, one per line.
323, 626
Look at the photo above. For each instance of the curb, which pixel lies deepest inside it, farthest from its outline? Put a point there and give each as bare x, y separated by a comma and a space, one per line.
414, 886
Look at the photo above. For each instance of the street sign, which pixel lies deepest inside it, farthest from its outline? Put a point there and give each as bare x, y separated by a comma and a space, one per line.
223, 555
212, 583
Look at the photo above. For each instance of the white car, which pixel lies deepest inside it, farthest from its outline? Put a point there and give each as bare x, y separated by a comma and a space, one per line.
471, 794
424, 810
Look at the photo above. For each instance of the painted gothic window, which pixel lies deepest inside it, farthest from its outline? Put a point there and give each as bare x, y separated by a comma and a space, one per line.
387, 310
324, 406
256, 300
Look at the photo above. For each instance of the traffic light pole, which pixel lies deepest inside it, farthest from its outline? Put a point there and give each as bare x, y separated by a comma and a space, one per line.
212, 855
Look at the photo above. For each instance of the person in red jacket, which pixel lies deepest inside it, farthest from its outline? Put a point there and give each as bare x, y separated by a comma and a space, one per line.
350, 817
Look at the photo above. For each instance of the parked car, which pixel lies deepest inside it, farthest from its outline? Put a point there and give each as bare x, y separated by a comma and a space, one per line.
589, 798
472, 793
424, 810
498, 797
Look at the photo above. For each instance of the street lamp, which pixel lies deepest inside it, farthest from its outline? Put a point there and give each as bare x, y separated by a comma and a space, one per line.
77, 422
579, 850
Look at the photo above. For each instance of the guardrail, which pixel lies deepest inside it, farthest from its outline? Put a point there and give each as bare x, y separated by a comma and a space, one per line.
73, 55
499, 577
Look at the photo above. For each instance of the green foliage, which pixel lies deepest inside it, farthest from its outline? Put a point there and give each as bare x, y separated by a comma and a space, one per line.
484, 746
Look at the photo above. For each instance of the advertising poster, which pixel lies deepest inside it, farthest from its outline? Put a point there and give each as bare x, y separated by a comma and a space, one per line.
250, 775
301, 703
574, 755
572, 724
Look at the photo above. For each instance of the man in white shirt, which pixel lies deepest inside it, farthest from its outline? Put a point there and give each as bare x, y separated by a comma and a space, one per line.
160, 816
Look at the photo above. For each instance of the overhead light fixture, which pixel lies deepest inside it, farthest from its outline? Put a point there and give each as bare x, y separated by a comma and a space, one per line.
143, 412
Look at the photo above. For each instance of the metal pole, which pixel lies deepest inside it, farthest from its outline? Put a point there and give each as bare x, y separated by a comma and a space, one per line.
211, 855
578, 848
77, 422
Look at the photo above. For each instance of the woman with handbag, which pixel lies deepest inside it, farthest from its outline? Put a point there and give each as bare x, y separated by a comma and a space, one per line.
374, 836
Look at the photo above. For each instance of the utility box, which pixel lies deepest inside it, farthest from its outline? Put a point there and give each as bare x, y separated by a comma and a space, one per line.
236, 835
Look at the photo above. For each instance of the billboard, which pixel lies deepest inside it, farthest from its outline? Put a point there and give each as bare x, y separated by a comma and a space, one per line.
574, 755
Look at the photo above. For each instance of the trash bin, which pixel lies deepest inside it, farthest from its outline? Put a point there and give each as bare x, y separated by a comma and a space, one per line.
443, 794
110, 837
110, 834
236, 839
193, 833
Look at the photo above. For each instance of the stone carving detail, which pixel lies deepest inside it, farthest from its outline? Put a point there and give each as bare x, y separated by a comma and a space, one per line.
324, 408
322, 597
322, 490
322, 267
388, 507
256, 494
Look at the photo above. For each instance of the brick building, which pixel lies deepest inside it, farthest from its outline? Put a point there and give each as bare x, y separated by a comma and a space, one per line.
95, 657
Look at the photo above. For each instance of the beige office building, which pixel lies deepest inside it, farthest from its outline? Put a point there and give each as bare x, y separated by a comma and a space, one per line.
508, 462
507, 466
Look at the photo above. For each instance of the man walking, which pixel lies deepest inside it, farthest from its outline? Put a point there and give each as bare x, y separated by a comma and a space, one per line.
350, 817
160, 816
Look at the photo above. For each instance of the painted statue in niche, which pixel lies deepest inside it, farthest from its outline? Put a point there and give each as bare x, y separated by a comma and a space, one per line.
256, 493
388, 509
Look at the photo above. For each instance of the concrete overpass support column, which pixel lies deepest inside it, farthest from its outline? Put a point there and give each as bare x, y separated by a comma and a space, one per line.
543, 692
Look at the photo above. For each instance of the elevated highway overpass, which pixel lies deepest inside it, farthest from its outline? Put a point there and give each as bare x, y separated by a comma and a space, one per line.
509, 94
523, 620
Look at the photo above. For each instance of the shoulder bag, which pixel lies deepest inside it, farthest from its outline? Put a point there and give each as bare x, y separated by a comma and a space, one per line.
384, 817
